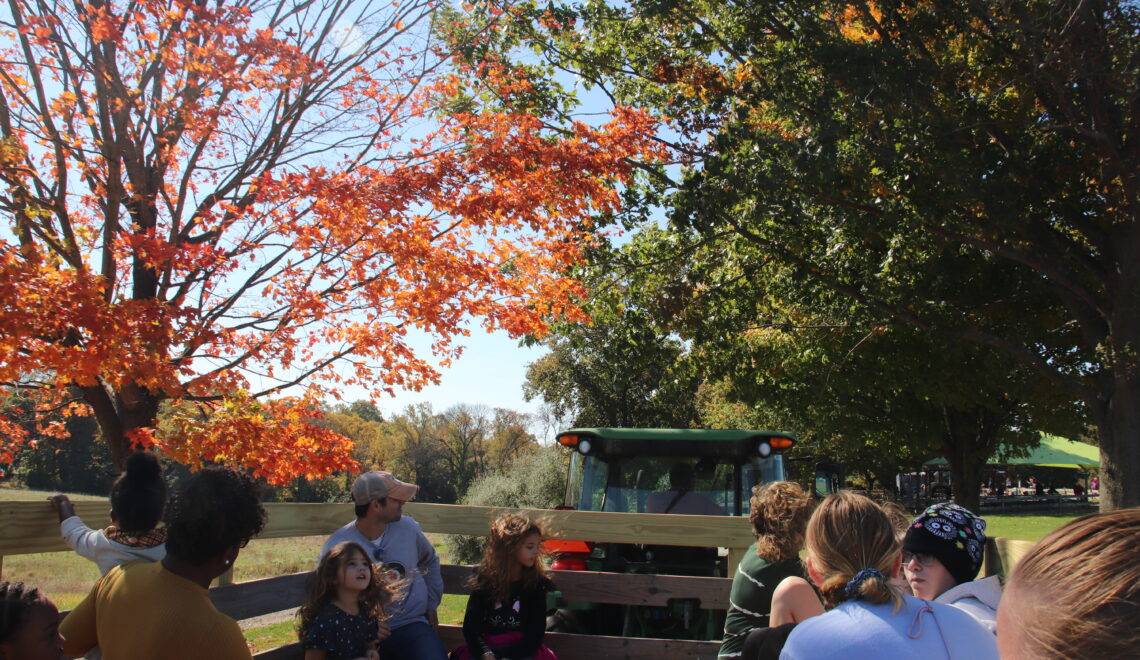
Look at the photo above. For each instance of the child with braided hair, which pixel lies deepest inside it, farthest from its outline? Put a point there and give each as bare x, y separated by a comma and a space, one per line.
852, 552
506, 613
29, 624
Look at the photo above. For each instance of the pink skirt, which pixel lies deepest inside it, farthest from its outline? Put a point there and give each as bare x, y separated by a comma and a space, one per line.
503, 639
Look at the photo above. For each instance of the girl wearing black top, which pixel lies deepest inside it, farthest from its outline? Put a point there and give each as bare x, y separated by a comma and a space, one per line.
506, 613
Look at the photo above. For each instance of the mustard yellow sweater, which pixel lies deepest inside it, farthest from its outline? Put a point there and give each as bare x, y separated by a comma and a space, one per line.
140, 611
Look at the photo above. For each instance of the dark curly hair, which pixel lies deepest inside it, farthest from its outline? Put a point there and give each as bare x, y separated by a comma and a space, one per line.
215, 509
139, 494
493, 573
16, 602
322, 588
779, 517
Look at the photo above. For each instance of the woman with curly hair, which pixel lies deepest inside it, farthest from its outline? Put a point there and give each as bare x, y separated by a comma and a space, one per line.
506, 613
340, 619
779, 515
163, 610
852, 552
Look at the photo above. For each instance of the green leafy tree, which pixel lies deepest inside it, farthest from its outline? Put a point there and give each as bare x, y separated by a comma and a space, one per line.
619, 370
965, 170
535, 480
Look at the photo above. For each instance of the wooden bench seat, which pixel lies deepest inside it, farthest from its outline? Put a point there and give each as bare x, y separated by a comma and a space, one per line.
259, 597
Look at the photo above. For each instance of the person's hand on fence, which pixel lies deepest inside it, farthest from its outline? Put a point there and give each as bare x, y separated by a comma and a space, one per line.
62, 505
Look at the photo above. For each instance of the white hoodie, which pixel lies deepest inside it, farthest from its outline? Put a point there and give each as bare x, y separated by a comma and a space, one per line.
978, 598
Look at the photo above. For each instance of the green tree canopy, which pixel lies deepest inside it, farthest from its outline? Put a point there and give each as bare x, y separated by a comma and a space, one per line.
969, 171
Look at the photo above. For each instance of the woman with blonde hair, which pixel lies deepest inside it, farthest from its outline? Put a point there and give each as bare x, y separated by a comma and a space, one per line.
852, 552
1076, 594
779, 516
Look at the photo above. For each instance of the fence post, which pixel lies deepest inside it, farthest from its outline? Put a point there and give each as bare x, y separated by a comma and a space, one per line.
226, 578
734, 557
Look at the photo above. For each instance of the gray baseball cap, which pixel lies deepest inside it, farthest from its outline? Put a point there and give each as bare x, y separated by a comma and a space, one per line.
377, 484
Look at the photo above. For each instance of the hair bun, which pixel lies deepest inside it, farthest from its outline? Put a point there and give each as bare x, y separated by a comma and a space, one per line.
142, 468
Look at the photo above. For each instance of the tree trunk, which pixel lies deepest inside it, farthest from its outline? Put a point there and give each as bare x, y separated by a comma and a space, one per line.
966, 475
968, 440
1119, 433
119, 413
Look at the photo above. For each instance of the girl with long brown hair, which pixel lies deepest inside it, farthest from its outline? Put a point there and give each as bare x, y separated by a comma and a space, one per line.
506, 613
341, 617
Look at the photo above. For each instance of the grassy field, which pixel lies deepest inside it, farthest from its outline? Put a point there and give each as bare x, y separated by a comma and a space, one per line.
66, 577
1027, 527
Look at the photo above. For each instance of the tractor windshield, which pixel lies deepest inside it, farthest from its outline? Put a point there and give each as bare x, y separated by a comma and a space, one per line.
655, 484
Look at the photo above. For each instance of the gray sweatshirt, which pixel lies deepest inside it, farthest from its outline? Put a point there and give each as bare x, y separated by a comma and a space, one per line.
401, 550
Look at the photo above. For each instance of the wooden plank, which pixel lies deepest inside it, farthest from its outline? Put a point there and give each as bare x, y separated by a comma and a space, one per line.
34, 526
289, 519
246, 600
641, 589
648, 528
617, 588
288, 652
259, 597
734, 556
567, 647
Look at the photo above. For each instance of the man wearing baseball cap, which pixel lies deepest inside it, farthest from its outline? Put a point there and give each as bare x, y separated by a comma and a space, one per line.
400, 549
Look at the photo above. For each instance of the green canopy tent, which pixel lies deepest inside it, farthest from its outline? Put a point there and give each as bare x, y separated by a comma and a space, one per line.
1052, 452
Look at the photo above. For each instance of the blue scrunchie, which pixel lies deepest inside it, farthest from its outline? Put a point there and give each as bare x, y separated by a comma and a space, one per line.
852, 589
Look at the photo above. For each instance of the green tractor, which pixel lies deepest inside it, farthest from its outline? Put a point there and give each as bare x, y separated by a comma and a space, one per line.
665, 471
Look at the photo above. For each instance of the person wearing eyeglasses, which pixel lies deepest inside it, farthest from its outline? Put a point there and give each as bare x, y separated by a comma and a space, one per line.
402, 552
942, 553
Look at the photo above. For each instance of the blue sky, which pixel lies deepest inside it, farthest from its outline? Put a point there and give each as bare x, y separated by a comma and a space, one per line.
490, 372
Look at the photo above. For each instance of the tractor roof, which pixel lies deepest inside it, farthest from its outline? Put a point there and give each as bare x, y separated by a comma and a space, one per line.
739, 444
674, 435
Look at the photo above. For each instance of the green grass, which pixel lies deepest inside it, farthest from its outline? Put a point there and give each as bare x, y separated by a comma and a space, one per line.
8, 494
1026, 527
271, 636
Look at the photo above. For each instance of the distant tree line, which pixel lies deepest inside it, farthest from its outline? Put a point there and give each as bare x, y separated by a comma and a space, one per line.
441, 452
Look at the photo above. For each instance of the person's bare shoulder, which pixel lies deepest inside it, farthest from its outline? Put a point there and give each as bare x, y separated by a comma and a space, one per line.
794, 600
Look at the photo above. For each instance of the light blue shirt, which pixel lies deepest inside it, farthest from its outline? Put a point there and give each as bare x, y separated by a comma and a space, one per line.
857, 630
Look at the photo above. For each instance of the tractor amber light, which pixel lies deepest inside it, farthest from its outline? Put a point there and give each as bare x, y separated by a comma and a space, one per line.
780, 443
560, 546
568, 440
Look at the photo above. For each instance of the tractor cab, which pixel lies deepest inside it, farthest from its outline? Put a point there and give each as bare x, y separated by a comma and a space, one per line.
663, 471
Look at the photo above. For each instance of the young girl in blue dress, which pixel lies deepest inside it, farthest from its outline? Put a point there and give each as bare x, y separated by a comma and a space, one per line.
506, 613
341, 617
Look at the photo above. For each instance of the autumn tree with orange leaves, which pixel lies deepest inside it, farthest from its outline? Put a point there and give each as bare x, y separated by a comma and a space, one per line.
239, 208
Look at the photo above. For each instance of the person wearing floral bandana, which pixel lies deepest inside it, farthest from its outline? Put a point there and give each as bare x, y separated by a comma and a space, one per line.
942, 553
